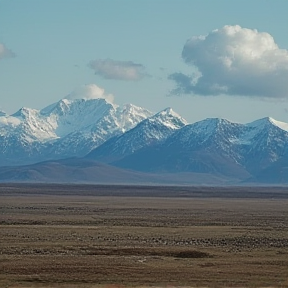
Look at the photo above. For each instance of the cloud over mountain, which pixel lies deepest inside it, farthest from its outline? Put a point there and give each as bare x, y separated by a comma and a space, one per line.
234, 61
118, 70
5, 52
90, 91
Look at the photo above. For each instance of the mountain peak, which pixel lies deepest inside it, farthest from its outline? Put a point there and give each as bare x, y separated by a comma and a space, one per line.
279, 124
24, 112
168, 111
154, 129
210, 124
266, 120
261, 123
131, 108
67, 101
170, 118
217, 121
65, 105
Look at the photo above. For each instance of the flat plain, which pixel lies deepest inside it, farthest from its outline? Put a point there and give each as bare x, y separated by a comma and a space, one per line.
138, 236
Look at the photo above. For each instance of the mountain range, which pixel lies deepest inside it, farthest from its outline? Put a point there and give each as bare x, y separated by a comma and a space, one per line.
64, 129
94, 140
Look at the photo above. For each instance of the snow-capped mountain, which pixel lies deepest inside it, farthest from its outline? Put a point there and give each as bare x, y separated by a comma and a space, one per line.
215, 146
148, 132
64, 129
90, 123
264, 142
131, 137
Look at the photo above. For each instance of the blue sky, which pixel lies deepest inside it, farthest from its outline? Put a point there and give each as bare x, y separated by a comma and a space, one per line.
133, 50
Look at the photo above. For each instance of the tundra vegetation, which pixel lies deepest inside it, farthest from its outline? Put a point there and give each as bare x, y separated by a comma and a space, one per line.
136, 236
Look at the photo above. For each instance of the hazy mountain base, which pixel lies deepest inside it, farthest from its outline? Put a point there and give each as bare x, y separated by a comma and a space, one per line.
79, 170
86, 171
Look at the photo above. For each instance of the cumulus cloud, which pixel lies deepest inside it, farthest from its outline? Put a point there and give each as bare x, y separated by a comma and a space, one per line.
5, 52
118, 70
90, 91
234, 61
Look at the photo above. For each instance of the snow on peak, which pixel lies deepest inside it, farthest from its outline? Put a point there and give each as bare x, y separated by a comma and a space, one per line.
218, 121
25, 112
210, 124
69, 106
206, 130
168, 111
169, 118
281, 125
268, 121
149, 131
261, 122
130, 115
131, 108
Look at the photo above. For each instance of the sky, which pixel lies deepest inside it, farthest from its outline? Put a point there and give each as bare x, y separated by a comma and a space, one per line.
203, 58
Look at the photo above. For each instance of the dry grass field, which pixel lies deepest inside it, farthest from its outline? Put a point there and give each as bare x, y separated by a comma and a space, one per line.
128, 236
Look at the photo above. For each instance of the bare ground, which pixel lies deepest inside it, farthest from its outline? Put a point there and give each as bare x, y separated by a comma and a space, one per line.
119, 236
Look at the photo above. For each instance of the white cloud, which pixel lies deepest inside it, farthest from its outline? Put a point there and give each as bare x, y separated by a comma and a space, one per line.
5, 52
234, 61
90, 91
118, 70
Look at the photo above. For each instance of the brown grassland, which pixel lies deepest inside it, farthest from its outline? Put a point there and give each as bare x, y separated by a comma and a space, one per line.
131, 236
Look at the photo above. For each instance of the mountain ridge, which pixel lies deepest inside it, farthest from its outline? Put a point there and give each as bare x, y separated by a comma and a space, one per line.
63, 129
150, 130
133, 141
213, 145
